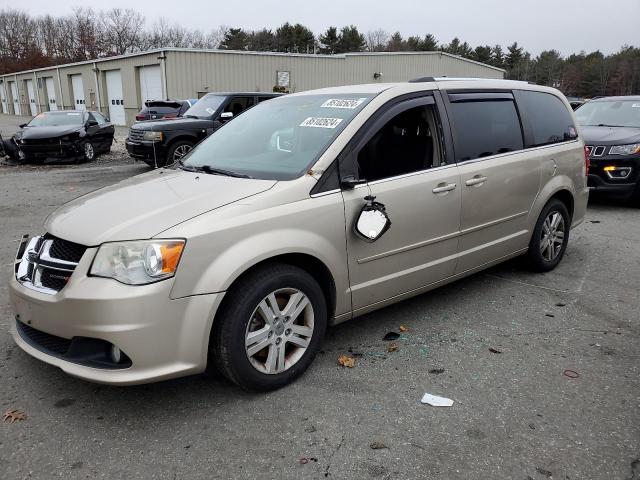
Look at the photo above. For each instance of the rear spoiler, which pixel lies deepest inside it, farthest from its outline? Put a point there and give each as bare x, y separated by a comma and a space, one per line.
162, 103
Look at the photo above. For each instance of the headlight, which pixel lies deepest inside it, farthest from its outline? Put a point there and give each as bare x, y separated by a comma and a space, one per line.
138, 263
625, 149
153, 136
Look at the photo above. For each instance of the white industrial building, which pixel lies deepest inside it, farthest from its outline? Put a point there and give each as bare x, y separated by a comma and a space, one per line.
119, 86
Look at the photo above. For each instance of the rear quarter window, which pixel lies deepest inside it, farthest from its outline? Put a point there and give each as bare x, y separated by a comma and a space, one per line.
547, 116
484, 128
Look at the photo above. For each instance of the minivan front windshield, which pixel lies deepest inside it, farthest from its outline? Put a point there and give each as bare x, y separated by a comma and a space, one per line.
278, 139
205, 107
610, 113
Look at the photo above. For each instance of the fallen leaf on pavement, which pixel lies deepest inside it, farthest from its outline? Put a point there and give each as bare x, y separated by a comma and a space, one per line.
403, 328
377, 446
392, 348
346, 361
13, 416
493, 350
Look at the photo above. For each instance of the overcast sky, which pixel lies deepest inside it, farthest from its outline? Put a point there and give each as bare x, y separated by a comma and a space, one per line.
565, 25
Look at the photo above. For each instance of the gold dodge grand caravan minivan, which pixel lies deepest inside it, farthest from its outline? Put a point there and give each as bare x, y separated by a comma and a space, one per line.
308, 210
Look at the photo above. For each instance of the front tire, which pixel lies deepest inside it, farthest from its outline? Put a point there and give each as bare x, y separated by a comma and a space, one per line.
550, 237
176, 152
269, 327
88, 151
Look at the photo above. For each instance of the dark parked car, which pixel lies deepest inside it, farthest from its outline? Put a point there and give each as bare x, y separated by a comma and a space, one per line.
163, 142
67, 135
157, 109
610, 127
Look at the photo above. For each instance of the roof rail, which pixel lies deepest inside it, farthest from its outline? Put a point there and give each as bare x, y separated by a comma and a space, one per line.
422, 79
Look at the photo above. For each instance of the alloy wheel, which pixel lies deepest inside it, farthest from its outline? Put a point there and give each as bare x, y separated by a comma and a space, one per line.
88, 151
181, 151
279, 331
552, 236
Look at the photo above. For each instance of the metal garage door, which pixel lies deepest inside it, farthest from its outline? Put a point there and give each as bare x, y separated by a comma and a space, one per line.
114, 97
32, 98
51, 94
150, 83
78, 92
14, 96
3, 97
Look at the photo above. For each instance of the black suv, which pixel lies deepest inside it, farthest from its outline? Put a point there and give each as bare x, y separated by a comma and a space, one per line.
163, 142
610, 127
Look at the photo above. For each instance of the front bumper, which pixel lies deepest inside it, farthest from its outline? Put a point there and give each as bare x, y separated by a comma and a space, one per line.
163, 337
59, 150
601, 183
145, 150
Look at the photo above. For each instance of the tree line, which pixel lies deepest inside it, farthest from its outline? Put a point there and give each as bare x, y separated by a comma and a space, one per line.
28, 42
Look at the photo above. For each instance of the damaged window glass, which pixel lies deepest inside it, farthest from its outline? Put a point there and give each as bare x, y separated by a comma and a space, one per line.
56, 119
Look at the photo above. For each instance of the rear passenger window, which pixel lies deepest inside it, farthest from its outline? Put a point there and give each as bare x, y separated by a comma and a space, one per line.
484, 128
548, 118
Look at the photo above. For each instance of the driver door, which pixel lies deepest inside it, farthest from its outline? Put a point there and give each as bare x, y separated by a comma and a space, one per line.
403, 159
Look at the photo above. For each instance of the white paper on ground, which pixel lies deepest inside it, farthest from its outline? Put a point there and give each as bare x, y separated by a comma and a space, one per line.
435, 401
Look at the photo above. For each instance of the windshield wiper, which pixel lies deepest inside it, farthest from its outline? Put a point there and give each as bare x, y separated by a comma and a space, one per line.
221, 171
211, 170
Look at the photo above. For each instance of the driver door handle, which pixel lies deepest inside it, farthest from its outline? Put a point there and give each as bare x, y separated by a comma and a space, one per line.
477, 180
444, 187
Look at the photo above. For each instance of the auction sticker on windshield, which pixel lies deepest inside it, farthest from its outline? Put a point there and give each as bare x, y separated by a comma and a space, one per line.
350, 104
321, 122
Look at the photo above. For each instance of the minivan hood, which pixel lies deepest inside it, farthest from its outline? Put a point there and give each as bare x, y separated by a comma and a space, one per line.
35, 133
610, 135
143, 206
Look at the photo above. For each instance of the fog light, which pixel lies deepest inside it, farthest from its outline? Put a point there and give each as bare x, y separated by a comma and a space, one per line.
116, 355
616, 173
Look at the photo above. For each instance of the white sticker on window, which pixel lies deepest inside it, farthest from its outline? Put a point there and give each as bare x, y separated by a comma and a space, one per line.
635, 105
73, 114
349, 104
321, 122
209, 110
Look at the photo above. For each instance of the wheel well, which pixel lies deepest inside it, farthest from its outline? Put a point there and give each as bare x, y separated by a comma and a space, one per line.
565, 197
310, 264
180, 138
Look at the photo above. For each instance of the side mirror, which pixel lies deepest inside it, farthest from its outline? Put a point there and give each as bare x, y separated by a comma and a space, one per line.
372, 221
92, 123
349, 182
22, 125
224, 116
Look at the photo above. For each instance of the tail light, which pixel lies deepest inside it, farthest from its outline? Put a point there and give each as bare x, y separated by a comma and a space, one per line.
587, 162
139, 117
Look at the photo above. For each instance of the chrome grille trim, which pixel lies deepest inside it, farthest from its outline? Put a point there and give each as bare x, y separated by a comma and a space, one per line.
35, 259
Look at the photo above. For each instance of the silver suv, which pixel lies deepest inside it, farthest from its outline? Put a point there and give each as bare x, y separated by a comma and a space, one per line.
306, 211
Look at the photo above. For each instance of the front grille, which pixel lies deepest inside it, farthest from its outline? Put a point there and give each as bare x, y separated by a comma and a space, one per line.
46, 263
136, 135
43, 341
53, 279
66, 250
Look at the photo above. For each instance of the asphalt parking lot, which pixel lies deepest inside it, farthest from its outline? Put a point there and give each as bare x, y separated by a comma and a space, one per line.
496, 343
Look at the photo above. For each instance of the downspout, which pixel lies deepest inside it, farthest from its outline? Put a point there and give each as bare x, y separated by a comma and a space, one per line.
163, 72
95, 76
60, 88
37, 90
15, 79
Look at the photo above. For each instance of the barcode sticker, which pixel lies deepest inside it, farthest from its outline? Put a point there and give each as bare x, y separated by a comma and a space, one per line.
321, 122
343, 103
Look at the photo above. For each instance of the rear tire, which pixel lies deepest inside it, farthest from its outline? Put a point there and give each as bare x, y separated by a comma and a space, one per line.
550, 237
269, 327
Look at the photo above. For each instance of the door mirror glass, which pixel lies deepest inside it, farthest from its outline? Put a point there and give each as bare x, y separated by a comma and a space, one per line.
224, 116
372, 222
91, 122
